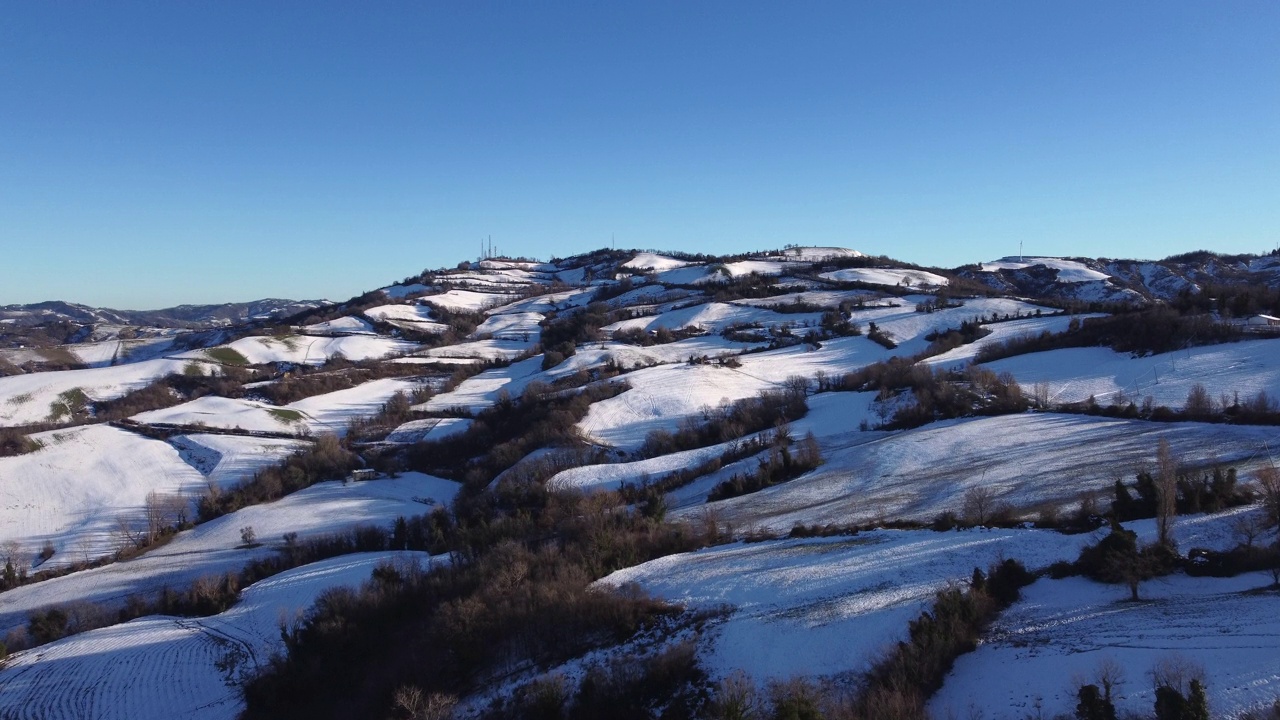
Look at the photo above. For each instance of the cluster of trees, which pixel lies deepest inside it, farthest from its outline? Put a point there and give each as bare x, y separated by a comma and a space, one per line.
727, 422
938, 394
1179, 691
326, 459
517, 593
504, 433
14, 441
1148, 331
780, 464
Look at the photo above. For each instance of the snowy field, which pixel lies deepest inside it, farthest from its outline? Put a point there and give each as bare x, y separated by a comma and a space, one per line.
1028, 460
73, 491
410, 317
1002, 332
1069, 271
215, 547
27, 399
468, 300
660, 397
428, 429
307, 350
714, 317
481, 391
166, 667
887, 276
227, 460
1063, 629
1073, 374
349, 325
826, 606
326, 413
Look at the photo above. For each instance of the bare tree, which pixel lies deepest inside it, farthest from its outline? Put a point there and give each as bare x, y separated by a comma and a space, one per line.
1110, 676
1166, 492
418, 705
979, 501
1248, 527
1269, 484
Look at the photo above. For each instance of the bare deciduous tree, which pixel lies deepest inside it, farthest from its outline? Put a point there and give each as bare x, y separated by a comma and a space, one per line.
979, 502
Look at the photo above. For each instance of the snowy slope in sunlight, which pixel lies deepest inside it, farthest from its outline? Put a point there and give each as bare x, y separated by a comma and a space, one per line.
215, 547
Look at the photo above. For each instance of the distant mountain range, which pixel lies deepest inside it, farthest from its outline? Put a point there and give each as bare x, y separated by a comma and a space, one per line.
190, 317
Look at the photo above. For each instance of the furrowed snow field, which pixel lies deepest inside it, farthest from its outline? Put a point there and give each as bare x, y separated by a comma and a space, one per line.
73, 490
326, 413
1028, 460
1073, 374
826, 606
215, 547
27, 399
167, 667
307, 350
1062, 629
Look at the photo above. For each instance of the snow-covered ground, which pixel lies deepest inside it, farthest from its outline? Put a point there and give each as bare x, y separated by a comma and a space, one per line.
481, 391
74, 490
887, 276
1073, 374
1064, 629
715, 317
1002, 332
660, 397
653, 261
166, 667
326, 413
1069, 271
428, 429
826, 606
349, 325
308, 350
468, 300
228, 460
1027, 460
216, 547
27, 399
411, 317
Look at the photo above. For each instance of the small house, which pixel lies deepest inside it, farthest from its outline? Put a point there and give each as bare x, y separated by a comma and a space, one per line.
363, 474
1263, 321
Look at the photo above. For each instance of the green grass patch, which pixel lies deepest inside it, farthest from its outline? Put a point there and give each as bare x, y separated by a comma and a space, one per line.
283, 414
227, 356
70, 404
20, 399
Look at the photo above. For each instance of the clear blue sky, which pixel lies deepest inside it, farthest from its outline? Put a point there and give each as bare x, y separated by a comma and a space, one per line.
167, 152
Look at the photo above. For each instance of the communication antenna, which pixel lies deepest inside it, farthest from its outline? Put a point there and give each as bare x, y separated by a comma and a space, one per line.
1019, 251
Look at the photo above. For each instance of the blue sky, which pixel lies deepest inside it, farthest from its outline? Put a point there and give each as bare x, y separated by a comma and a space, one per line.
161, 153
